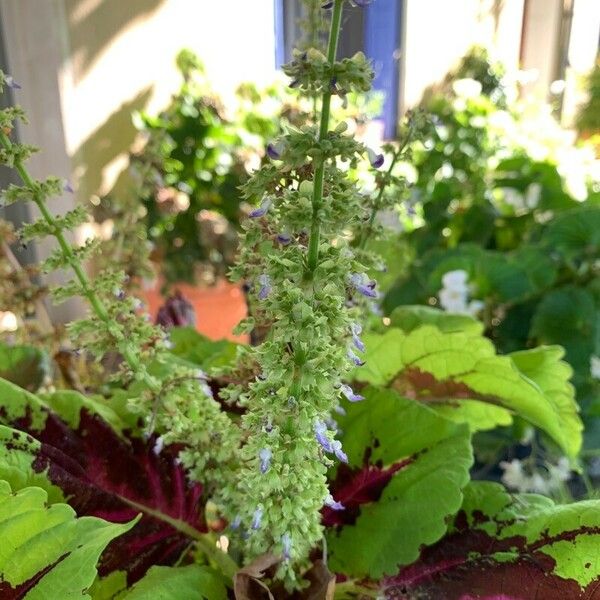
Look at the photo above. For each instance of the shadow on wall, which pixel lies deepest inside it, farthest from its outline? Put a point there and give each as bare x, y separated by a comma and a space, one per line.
93, 29
110, 140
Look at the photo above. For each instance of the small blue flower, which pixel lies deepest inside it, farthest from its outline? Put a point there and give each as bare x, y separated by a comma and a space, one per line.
67, 187
257, 518
284, 238
276, 150
349, 393
336, 448
340, 410
235, 524
355, 359
356, 330
286, 543
321, 436
364, 285
265, 456
11, 83
376, 160
206, 389
265, 286
331, 502
261, 211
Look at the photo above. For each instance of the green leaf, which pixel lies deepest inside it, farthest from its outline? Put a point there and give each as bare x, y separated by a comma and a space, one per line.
447, 368
522, 546
575, 232
18, 452
569, 316
179, 583
196, 348
408, 318
390, 427
46, 550
415, 505
24, 365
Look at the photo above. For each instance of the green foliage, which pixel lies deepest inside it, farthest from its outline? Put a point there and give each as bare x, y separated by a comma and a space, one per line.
446, 369
566, 533
46, 549
391, 532
179, 583
500, 195
26, 366
196, 157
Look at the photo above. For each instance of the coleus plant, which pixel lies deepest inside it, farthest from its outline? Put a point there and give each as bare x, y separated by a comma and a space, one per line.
330, 464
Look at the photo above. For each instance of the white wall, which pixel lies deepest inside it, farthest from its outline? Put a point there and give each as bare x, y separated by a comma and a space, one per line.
437, 34
118, 63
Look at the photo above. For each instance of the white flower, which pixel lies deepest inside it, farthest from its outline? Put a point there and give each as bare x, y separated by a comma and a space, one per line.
454, 295
475, 307
595, 367
532, 195
455, 280
467, 88
514, 477
561, 471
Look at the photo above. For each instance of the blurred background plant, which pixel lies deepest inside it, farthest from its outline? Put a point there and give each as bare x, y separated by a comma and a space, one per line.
505, 228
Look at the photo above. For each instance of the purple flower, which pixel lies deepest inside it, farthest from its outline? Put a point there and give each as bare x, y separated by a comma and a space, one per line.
340, 410
68, 187
265, 456
356, 330
257, 518
355, 359
265, 286
286, 543
321, 436
364, 285
349, 393
11, 83
176, 312
276, 150
206, 389
336, 448
330, 501
235, 524
376, 160
261, 211
284, 238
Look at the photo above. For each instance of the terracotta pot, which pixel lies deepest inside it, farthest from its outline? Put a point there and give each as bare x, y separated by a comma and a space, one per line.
219, 308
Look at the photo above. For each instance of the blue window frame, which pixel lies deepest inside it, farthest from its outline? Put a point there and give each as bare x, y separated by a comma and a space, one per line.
376, 30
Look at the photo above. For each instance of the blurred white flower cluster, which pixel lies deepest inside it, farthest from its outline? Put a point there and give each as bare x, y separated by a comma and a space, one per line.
455, 292
517, 477
595, 367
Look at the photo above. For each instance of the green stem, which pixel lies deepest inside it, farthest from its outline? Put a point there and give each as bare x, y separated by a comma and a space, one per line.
315, 229
95, 302
205, 542
376, 204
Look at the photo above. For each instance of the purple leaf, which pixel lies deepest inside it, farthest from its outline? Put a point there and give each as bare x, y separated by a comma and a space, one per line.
115, 477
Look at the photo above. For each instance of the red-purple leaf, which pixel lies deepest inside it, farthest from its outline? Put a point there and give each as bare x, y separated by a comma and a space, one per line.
509, 548
108, 474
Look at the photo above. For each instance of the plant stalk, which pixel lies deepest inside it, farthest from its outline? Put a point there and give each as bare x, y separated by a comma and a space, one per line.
317, 199
95, 302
